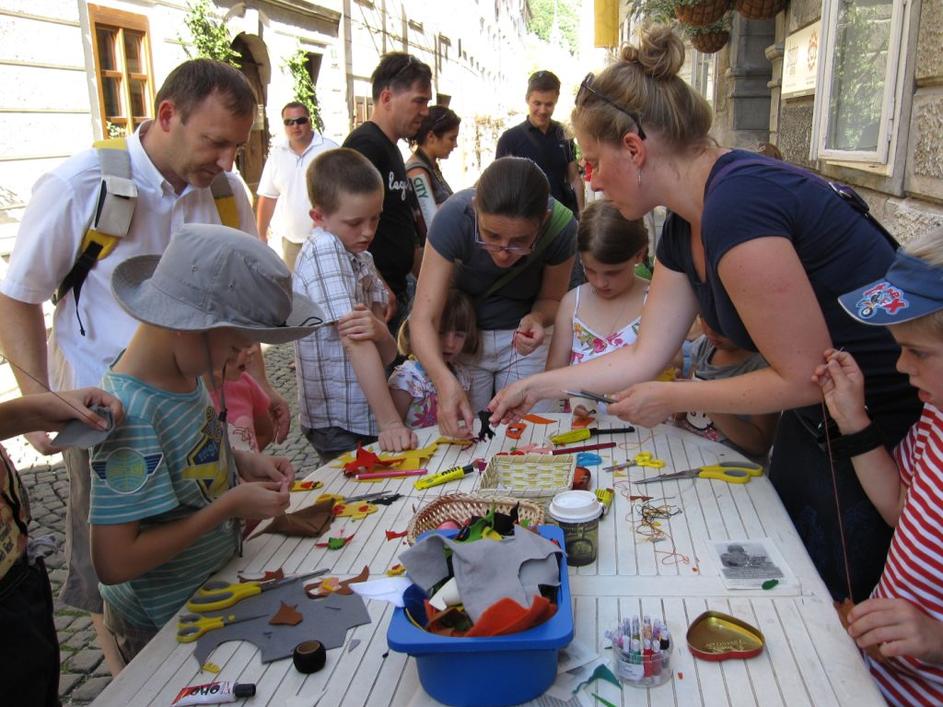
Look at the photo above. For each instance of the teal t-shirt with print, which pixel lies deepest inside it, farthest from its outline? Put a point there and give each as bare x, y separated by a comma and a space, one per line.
164, 462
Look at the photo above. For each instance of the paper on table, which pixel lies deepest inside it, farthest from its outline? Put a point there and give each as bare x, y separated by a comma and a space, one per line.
566, 683
748, 563
573, 656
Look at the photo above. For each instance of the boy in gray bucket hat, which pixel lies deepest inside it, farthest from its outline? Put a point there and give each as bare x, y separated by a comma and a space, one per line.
167, 492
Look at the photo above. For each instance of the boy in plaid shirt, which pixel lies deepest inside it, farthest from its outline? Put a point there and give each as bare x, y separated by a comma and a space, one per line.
343, 396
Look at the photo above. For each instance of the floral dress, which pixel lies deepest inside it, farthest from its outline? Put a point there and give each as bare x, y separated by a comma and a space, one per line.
412, 377
589, 344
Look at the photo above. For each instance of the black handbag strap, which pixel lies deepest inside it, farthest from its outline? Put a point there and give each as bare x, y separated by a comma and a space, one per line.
842, 191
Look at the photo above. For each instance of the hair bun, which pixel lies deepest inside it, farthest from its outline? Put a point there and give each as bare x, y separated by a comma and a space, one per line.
660, 52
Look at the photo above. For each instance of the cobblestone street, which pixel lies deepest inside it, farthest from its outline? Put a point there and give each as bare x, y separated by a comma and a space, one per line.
84, 673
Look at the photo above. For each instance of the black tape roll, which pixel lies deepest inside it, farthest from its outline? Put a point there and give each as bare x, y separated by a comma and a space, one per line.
309, 657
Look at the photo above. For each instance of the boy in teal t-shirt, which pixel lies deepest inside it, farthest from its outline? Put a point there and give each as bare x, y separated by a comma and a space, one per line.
167, 491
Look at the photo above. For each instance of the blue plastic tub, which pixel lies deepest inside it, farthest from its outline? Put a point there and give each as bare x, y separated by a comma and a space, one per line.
493, 671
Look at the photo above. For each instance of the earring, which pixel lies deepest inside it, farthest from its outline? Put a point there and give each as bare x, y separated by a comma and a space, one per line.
640, 177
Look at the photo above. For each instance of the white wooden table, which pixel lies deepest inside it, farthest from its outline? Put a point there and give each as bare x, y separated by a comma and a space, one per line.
808, 659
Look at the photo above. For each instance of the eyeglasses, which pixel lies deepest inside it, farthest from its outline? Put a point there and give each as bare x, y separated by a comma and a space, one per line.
303, 120
496, 248
586, 88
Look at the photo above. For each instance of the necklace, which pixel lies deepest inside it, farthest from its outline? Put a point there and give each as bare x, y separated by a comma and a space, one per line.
611, 329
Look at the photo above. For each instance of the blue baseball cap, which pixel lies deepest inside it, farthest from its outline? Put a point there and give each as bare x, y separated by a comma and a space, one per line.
912, 288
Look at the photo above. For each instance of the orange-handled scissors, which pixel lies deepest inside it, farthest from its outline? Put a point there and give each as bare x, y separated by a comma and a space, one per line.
731, 472
191, 626
218, 595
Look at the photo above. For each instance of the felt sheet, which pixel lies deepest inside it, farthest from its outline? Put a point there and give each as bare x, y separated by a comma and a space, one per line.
326, 620
486, 570
77, 433
310, 522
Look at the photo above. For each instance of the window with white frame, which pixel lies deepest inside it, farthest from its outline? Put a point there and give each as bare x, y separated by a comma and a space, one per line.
857, 106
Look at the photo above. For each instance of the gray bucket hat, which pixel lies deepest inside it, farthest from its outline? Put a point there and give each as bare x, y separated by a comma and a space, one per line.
212, 277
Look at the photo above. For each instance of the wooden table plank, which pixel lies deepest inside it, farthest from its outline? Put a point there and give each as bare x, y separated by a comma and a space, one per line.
808, 660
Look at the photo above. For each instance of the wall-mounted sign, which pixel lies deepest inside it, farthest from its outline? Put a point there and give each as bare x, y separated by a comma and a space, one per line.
800, 62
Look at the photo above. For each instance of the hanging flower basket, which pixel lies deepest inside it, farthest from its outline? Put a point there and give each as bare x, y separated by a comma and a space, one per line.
759, 9
702, 12
710, 42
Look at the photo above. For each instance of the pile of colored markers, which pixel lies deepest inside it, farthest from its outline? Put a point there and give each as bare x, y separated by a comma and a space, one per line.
641, 651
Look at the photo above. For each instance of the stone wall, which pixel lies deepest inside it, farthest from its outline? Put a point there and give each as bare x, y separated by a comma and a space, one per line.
910, 200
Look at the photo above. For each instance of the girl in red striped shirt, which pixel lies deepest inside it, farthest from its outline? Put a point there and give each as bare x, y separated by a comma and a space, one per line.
901, 625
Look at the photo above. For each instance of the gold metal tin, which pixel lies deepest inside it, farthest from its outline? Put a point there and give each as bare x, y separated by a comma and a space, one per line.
716, 636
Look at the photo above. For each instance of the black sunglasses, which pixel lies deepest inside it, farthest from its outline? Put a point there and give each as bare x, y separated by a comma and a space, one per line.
586, 89
303, 120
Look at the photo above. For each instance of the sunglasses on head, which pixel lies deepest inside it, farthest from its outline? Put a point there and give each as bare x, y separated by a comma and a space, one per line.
303, 120
587, 90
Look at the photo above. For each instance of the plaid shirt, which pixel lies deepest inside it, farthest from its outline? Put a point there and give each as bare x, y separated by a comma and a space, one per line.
329, 394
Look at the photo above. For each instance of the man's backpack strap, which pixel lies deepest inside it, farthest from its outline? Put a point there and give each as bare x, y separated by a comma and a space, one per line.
117, 196
560, 217
225, 201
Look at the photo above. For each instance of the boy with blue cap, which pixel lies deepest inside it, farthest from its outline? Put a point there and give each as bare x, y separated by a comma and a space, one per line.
167, 491
901, 625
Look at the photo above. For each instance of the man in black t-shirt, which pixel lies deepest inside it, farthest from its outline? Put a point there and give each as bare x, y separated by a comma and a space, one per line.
402, 87
543, 140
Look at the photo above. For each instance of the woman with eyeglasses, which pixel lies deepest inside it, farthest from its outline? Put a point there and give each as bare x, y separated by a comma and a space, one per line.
434, 141
761, 249
510, 247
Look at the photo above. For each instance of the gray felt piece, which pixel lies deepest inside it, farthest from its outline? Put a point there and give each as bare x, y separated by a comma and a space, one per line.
487, 570
325, 620
76, 433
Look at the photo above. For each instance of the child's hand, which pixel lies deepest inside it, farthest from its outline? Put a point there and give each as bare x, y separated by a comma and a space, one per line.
254, 466
899, 628
842, 384
360, 324
255, 500
49, 411
528, 336
396, 437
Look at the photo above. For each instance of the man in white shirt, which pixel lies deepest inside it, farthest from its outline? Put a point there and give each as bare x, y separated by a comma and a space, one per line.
203, 114
283, 191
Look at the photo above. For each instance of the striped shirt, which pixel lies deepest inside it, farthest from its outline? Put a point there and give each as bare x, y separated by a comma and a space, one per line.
164, 462
335, 279
914, 567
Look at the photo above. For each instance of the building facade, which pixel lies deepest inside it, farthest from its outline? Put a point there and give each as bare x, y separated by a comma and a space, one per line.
73, 71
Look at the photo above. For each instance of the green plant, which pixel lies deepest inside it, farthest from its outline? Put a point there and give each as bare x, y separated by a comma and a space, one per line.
722, 25
660, 11
210, 36
113, 130
304, 90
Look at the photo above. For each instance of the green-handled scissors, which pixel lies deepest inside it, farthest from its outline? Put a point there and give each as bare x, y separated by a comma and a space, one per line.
218, 595
191, 626
731, 472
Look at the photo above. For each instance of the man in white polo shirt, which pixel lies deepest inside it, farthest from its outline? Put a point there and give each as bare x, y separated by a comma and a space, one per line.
203, 113
283, 192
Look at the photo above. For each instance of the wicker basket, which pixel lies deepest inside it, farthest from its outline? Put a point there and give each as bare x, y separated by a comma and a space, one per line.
537, 477
710, 42
703, 13
460, 507
759, 9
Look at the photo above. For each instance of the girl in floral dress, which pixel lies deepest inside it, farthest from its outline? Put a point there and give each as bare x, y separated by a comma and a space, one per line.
413, 392
604, 314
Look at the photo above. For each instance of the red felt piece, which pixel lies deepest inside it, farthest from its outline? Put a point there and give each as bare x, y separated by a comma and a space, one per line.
515, 430
365, 460
506, 616
393, 535
287, 615
537, 419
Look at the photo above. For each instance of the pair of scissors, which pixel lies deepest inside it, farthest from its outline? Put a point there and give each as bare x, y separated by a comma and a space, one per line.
191, 626
646, 459
731, 472
218, 595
